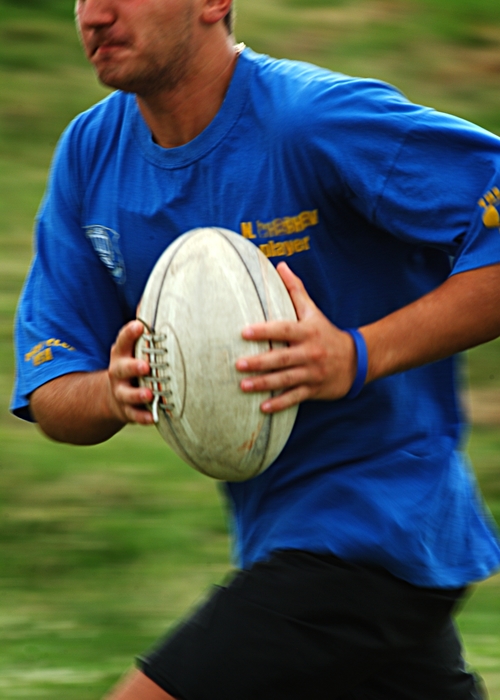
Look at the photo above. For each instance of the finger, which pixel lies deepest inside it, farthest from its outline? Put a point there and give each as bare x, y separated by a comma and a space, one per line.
276, 381
128, 395
302, 302
139, 414
275, 359
127, 338
125, 368
285, 400
279, 331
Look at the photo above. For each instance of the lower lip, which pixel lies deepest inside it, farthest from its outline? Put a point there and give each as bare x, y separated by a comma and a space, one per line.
108, 49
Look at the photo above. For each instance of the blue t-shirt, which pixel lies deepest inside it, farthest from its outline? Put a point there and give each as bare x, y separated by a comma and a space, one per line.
373, 201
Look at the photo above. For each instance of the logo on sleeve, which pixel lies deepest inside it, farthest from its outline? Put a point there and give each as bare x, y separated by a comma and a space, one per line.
42, 352
491, 205
105, 242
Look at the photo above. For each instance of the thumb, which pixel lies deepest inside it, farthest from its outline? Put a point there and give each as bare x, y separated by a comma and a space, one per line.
304, 305
127, 337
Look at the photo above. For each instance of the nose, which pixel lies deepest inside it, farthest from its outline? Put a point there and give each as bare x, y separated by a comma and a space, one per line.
92, 14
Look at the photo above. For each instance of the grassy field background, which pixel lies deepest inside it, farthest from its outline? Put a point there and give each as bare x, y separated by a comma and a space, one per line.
102, 548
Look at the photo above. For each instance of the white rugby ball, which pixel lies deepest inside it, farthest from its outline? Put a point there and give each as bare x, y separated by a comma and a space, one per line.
206, 287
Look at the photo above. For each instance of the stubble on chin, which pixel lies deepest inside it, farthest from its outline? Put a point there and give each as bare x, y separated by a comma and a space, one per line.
159, 72
154, 78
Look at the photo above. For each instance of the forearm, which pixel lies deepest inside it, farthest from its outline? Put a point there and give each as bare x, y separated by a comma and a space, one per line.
86, 408
461, 313
76, 408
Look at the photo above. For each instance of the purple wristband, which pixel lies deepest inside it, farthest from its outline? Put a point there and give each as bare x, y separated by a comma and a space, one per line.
362, 363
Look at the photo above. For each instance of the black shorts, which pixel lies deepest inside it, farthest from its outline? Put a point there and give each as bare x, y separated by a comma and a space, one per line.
310, 626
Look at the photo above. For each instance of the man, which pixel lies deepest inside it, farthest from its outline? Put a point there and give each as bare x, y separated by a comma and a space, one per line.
358, 542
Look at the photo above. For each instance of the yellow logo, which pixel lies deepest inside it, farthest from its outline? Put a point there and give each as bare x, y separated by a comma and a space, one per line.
285, 226
491, 203
281, 248
42, 352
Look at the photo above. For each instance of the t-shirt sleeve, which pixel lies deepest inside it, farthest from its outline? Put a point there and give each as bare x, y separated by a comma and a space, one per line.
444, 180
426, 177
70, 309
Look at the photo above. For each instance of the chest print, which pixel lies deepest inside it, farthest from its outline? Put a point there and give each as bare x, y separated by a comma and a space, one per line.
106, 244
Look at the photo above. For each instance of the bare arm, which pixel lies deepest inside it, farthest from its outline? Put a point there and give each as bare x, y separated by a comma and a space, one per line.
86, 408
320, 361
460, 314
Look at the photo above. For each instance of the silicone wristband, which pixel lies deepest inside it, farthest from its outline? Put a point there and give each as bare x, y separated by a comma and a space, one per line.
362, 363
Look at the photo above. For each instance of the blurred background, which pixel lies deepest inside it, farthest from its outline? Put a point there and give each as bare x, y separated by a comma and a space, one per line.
102, 548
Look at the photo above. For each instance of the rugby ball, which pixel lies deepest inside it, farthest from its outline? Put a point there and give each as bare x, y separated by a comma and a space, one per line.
206, 287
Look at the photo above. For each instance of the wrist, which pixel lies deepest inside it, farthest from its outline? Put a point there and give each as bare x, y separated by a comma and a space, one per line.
361, 354
110, 408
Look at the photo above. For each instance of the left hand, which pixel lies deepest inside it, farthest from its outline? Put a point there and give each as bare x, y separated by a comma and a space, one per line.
318, 362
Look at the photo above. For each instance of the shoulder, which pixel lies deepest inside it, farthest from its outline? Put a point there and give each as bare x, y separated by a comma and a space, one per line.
313, 91
91, 135
102, 120
100, 124
342, 124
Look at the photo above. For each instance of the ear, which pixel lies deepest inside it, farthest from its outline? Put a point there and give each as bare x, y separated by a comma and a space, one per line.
215, 10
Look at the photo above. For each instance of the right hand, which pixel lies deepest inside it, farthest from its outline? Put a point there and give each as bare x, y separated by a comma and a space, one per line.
317, 359
127, 401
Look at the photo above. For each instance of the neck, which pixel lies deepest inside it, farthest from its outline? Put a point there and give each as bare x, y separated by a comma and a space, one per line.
178, 115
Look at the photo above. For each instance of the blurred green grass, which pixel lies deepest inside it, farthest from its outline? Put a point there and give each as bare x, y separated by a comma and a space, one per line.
103, 548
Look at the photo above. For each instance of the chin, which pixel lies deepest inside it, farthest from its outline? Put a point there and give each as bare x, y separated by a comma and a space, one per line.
112, 80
